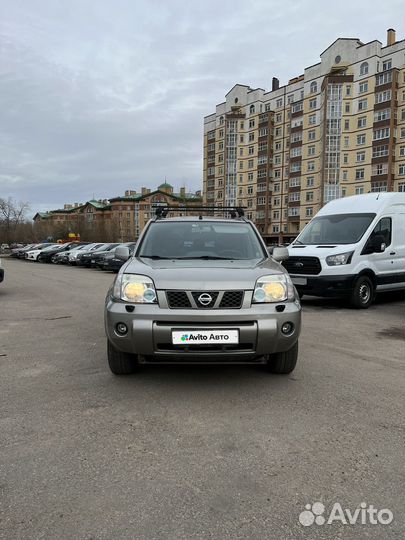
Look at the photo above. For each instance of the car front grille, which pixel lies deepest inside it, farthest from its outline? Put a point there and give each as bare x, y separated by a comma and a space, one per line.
178, 299
198, 299
303, 265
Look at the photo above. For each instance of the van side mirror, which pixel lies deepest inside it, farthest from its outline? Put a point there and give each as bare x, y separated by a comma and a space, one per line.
280, 254
122, 253
377, 244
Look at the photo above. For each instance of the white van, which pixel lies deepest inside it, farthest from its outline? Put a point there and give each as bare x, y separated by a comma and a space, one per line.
353, 247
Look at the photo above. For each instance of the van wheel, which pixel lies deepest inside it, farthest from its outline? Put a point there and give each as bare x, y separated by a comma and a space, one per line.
363, 293
283, 362
121, 363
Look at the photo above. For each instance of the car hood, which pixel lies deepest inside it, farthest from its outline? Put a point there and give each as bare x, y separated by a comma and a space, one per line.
319, 250
202, 275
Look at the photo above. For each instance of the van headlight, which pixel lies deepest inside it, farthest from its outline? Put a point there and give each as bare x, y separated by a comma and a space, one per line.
273, 288
341, 258
135, 288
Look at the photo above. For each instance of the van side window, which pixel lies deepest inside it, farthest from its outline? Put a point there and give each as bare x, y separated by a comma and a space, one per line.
383, 230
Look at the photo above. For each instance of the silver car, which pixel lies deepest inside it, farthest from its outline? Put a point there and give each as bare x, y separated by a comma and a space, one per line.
202, 290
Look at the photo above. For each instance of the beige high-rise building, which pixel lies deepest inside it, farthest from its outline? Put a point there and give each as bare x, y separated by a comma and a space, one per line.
337, 130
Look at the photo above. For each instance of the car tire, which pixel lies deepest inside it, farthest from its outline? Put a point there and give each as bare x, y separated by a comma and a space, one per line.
363, 293
283, 362
121, 363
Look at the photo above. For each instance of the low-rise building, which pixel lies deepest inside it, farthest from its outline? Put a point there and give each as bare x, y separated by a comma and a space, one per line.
119, 219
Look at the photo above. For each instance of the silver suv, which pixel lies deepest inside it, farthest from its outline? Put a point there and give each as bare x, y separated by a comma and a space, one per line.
202, 289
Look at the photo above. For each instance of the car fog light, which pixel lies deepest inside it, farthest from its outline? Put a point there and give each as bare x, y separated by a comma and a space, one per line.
121, 328
287, 328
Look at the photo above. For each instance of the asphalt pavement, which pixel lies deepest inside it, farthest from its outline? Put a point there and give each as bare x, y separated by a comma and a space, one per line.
192, 452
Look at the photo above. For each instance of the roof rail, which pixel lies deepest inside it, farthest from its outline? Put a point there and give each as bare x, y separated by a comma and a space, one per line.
161, 211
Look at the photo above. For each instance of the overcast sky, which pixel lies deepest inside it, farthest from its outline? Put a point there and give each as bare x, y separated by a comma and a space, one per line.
100, 96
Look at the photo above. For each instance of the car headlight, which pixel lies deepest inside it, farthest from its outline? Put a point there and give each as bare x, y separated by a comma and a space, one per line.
273, 288
341, 258
135, 288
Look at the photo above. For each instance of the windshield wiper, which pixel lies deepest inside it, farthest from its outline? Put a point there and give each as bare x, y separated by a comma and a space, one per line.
155, 257
208, 258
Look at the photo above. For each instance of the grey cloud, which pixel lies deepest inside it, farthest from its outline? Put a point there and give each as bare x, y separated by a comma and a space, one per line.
97, 97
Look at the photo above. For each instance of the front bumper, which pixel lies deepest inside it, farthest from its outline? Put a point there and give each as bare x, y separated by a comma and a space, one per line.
326, 286
150, 330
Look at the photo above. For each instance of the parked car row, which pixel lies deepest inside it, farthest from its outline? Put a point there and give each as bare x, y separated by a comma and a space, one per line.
91, 255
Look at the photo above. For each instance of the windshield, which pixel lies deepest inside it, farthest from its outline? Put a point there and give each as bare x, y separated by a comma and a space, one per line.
335, 229
199, 240
49, 248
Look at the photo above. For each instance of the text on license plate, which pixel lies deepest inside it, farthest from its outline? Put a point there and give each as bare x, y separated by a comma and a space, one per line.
208, 337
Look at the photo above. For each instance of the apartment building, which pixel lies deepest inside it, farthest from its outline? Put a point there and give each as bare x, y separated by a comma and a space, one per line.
336, 130
119, 219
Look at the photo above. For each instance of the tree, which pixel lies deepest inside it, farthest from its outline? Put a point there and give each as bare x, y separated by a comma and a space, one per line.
12, 216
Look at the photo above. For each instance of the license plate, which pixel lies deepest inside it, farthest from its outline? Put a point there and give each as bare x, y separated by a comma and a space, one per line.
205, 337
93, 261
299, 280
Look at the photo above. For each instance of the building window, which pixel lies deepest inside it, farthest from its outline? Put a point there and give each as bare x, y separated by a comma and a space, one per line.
401, 170
252, 109
379, 169
295, 197
251, 124
279, 103
359, 174
381, 97
276, 187
359, 190
276, 228
297, 151
295, 182
347, 125
401, 187
384, 114
310, 181
360, 157
364, 68
361, 139
277, 132
309, 211
251, 136
402, 133
347, 107
250, 190
387, 64
402, 151
250, 164
211, 134
241, 165
363, 87
383, 133
241, 138
311, 150
279, 117
312, 119
297, 107
361, 122
380, 151
348, 90
313, 87
311, 166
263, 132
277, 146
362, 104
312, 103
345, 158
383, 78
311, 135
290, 99
346, 141
309, 197
250, 177
251, 150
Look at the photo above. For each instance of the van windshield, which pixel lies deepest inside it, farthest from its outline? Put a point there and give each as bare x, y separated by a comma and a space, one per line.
335, 229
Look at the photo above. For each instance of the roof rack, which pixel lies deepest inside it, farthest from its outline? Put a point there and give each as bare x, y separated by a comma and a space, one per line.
161, 211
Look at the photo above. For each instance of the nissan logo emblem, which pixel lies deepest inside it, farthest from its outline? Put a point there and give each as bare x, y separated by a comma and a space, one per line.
298, 264
205, 299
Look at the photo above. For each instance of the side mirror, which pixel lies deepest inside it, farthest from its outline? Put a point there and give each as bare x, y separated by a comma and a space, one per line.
122, 253
280, 254
378, 244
